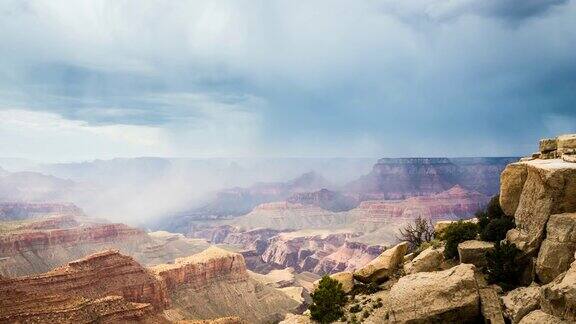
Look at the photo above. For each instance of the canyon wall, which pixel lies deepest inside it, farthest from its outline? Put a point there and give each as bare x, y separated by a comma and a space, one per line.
105, 286
399, 178
201, 269
21, 210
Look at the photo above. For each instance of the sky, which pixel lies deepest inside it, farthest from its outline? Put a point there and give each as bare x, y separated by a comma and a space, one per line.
81, 80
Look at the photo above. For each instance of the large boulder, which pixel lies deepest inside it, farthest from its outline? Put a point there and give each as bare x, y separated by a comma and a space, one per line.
539, 317
383, 266
345, 278
566, 142
428, 260
558, 298
548, 145
521, 301
474, 252
557, 251
449, 296
531, 191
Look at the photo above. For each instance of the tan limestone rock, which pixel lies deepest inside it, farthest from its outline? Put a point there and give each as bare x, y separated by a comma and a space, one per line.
449, 296
474, 252
558, 298
521, 301
547, 145
346, 278
428, 260
567, 141
532, 191
490, 305
539, 317
557, 251
384, 265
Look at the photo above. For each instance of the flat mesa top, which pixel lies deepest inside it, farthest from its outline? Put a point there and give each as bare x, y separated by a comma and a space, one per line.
206, 255
550, 164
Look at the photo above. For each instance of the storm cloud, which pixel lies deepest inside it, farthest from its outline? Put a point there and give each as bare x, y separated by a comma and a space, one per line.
99, 79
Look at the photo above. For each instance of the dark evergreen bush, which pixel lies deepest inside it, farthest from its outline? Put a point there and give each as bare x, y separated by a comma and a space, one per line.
493, 223
457, 233
502, 266
327, 301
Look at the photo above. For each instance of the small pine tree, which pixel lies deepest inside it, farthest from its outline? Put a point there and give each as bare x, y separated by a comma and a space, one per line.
455, 234
327, 301
502, 264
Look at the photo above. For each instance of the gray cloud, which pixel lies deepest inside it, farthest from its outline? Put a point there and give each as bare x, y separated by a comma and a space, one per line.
363, 78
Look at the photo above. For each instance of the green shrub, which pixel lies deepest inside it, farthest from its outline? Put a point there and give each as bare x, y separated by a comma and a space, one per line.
502, 265
355, 308
456, 233
366, 314
493, 223
435, 243
327, 301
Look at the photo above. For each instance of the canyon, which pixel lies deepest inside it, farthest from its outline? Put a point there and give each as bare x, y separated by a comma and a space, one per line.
251, 252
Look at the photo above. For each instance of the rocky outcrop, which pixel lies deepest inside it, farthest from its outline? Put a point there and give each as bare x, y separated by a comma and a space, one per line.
428, 260
200, 270
12, 243
346, 278
558, 298
539, 317
521, 301
100, 274
383, 266
449, 296
490, 305
215, 283
531, 191
557, 251
474, 252
81, 290
33, 308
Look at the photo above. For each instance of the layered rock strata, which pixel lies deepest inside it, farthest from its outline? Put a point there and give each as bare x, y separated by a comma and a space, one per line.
83, 289
200, 270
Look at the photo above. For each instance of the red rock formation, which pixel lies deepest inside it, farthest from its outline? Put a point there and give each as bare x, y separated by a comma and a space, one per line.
318, 253
201, 269
11, 243
107, 273
325, 199
451, 204
21, 210
393, 178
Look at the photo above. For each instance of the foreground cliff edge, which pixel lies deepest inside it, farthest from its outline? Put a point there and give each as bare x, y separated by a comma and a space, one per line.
539, 193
